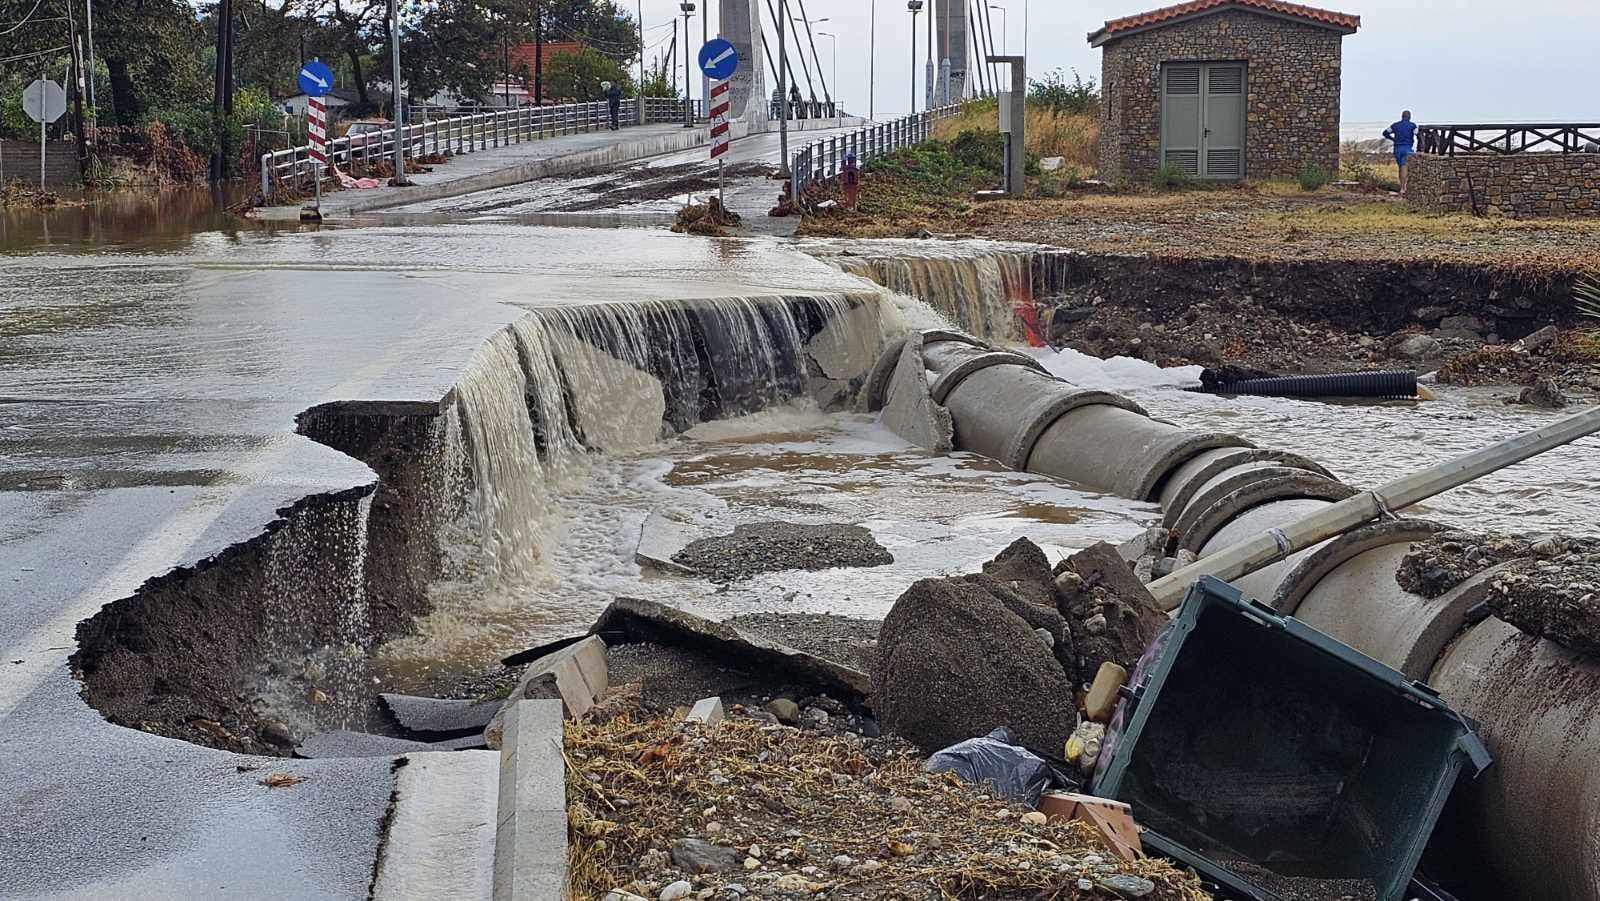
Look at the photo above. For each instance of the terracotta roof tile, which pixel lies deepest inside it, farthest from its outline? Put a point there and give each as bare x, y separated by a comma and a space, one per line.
1169, 13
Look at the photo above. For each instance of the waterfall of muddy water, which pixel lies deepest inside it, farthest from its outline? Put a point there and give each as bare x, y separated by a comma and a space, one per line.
984, 288
320, 674
550, 403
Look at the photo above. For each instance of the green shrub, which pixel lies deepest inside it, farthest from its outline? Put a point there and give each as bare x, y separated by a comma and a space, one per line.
1313, 178
1170, 177
1079, 97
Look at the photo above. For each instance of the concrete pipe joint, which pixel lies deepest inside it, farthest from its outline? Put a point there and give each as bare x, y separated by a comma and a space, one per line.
1118, 450
1001, 411
1530, 821
1203, 467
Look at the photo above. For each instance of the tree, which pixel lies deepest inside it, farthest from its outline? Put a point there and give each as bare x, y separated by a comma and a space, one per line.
455, 45
153, 50
577, 76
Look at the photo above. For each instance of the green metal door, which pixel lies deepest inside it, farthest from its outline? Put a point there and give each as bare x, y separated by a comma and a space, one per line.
1222, 129
1181, 114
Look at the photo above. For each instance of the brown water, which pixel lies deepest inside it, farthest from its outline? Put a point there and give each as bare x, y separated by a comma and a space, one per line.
143, 219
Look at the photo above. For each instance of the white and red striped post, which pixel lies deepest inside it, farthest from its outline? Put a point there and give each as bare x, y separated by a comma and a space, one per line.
317, 149
717, 111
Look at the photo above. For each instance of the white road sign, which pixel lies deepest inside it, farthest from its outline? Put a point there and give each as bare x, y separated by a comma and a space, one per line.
44, 101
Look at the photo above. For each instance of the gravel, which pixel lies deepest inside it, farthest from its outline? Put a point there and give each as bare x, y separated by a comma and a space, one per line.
777, 546
1304, 888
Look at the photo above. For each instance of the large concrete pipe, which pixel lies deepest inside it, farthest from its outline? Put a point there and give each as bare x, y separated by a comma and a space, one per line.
1118, 450
1200, 469
1001, 411
1535, 815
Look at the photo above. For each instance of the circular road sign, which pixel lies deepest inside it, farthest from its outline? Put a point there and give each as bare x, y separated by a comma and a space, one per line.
316, 79
44, 101
718, 59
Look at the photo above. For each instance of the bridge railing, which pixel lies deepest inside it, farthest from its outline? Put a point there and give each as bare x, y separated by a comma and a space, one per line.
1449, 140
824, 159
464, 133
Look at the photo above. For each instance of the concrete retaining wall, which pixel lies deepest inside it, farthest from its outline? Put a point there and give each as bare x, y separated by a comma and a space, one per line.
1524, 185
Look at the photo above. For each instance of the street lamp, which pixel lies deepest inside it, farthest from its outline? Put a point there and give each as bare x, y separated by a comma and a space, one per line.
833, 54
872, 66
915, 6
1004, 32
688, 77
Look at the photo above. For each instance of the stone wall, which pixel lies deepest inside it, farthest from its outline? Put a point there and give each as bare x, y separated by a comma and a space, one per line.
1292, 84
20, 160
1524, 185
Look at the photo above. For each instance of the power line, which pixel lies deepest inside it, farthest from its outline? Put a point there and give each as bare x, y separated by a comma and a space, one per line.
36, 5
12, 59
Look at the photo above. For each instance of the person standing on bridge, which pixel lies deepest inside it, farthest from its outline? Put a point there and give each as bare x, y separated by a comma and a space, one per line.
1404, 136
850, 176
613, 95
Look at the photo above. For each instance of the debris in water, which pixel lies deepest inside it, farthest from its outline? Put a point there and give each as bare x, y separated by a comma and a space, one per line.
777, 546
282, 780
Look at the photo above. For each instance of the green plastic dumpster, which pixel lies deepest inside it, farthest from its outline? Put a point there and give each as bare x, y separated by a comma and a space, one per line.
1277, 761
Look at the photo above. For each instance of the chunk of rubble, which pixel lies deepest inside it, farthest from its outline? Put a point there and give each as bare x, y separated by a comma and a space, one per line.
909, 409
438, 715
636, 620
575, 675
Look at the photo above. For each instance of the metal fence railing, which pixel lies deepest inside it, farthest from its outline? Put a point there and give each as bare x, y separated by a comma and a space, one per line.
824, 159
1448, 140
466, 133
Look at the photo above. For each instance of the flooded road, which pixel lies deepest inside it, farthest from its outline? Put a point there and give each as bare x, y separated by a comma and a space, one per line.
114, 220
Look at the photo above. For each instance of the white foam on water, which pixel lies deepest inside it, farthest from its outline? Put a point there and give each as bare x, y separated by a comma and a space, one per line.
1124, 373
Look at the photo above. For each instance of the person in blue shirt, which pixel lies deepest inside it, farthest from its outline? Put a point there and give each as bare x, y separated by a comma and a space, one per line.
1404, 136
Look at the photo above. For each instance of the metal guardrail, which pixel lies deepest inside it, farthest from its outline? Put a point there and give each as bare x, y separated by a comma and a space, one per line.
466, 134
822, 160
1449, 140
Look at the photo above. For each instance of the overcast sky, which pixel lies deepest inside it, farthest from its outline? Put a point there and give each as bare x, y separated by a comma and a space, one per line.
1449, 60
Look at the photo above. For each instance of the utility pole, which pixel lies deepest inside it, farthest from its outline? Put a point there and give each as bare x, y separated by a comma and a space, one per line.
222, 85
88, 6
395, 98
705, 38
927, 99
77, 93
538, 55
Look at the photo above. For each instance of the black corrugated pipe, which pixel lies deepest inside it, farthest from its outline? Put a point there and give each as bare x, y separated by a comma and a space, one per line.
1341, 384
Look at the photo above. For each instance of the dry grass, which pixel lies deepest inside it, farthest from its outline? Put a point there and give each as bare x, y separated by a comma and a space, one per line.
635, 788
1047, 133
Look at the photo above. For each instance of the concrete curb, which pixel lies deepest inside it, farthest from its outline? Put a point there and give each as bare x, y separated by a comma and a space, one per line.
443, 832
530, 842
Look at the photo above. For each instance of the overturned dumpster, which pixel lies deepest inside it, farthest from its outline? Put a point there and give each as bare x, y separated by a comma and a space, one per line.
1279, 762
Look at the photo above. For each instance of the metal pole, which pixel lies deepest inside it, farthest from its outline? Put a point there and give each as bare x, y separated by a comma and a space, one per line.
640, 91
1024, 29
783, 102
1269, 547
705, 38
872, 64
688, 76
395, 98
927, 98
914, 61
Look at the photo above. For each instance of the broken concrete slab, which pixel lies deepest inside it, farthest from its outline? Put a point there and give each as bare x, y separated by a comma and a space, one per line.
909, 410
661, 538
648, 621
530, 849
575, 675
346, 743
441, 837
439, 715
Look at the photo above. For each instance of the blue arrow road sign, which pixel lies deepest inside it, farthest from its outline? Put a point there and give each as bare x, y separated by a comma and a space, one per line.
316, 79
718, 59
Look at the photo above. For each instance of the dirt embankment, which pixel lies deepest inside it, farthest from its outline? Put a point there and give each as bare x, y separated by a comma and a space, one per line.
1307, 316
249, 650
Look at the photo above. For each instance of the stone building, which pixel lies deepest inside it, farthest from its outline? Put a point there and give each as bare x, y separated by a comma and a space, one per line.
1221, 89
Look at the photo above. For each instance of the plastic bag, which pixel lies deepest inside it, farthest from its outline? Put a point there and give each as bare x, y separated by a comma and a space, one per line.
1015, 772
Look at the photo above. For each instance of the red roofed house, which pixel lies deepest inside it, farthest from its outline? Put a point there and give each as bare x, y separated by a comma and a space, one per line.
1221, 89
